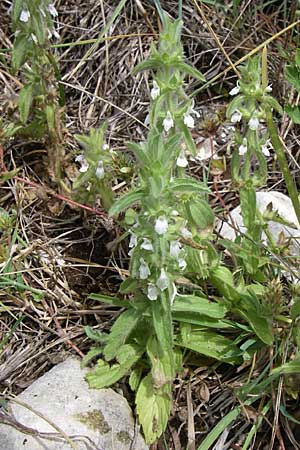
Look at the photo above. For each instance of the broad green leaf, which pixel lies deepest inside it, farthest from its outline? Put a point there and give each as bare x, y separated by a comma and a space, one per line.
20, 50
139, 153
105, 375
272, 103
188, 185
291, 367
120, 331
293, 112
248, 207
128, 286
189, 70
200, 305
201, 213
125, 202
292, 74
153, 408
210, 344
235, 104
92, 353
222, 279
202, 321
135, 377
109, 300
162, 321
149, 64
95, 335
162, 367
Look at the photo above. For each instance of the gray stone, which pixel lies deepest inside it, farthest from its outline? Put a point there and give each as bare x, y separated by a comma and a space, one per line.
280, 203
93, 419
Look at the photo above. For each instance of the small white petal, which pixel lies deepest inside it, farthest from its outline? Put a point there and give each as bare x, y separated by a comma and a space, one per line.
265, 150
163, 281
132, 240
84, 167
243, 148
147, 245
182, 263
173, 293
49, 34
52, 10
55, 34
100, 170
144, 269
155, 91
185, 233
174, 213
168, 122
253, 123
161, 225
269, 88
152, 292
181, 160
189, 121
175, 249
147, 119
42, 12
34, 38
236, 117
25, 15
235, 90
105, 147
80, 158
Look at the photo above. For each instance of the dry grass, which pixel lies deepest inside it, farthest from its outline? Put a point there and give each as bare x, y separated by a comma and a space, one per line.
60, 249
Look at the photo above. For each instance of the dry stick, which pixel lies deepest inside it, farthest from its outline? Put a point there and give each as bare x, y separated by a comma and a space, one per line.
244, 58
217, 40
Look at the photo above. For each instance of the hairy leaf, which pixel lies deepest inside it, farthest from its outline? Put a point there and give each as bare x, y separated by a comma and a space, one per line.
125, 202
200, 305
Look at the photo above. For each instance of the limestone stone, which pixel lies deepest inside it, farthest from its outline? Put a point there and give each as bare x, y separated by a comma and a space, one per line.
93, 419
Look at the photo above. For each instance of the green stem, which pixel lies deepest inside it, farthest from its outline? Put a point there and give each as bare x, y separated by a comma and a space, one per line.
278, 147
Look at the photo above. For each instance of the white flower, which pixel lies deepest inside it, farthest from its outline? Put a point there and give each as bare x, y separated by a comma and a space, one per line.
253, 123
168, 122
174, 213
266, 148
25, 15
182, 263
152, 292
147, 245
100, 170
189, 120
80, 158
236, 89
155, 91
236, 116
163, 281
269, 88
173, 293
132, 240
185, 233
52, 10
181, 160
175, 249
243, 148
147, 119
144, 269
105, 147
161, 225
55, 34
84, 164
34, 38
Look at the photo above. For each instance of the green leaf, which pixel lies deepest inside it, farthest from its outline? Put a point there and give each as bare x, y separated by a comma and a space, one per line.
292, 74
95, 335
125, 202
135, 378
234, 105
139, 153
105, 375
292, 367
202, 321
162, 321
20, 50
251, 310
120, 331
186, 68
128, 286
109, 300
293, 112
222, 279
201, 213
188, 185
162, 367
153, 408
248, 206
209, 344
272, 103
92, 353
199, 305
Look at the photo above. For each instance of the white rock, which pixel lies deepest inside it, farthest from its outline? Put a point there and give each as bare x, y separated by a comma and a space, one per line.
94, 419
283, 205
